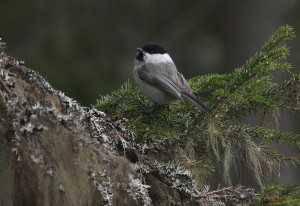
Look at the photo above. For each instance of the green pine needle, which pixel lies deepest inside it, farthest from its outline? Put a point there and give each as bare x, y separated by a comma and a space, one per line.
248, 90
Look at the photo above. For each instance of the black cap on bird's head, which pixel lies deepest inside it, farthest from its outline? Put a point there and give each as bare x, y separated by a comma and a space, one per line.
154, 49
151, 49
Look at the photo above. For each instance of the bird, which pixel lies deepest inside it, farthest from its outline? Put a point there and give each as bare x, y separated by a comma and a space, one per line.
157, 77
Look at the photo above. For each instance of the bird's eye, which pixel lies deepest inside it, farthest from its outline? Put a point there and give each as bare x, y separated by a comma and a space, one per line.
139, 55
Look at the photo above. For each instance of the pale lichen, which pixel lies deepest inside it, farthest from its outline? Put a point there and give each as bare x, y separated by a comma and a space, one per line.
103, 185
139, 191
179, 177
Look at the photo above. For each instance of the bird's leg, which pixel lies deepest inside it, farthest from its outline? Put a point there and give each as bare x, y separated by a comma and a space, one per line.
159, 107
154, 109
206, 93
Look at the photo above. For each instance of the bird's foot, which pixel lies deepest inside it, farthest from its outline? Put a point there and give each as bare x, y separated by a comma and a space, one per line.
154, 109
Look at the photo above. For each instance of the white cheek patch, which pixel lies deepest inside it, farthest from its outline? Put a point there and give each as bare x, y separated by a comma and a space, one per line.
158, 58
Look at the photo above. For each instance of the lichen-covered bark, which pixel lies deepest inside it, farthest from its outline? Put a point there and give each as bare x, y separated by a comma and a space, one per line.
55, 152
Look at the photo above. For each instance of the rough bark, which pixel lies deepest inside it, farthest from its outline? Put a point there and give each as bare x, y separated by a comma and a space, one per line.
55, 152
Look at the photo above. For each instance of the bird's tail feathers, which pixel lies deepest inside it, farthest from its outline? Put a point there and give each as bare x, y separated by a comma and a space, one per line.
193, 99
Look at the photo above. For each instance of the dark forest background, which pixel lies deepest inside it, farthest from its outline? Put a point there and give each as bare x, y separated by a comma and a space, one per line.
86, 48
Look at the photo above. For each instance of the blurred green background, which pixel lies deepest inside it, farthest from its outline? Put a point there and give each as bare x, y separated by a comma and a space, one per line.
86, 48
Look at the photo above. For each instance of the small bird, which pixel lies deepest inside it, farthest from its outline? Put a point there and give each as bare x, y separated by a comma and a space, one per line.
157, 77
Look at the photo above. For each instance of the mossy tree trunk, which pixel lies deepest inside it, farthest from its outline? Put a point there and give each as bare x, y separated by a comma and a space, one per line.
55, 152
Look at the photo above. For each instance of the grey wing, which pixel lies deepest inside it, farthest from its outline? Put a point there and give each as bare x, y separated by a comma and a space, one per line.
187, 93
184, 85
159, 80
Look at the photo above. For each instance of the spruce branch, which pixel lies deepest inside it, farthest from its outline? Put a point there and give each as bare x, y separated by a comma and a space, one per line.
226, 196
229, 142
279, 195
